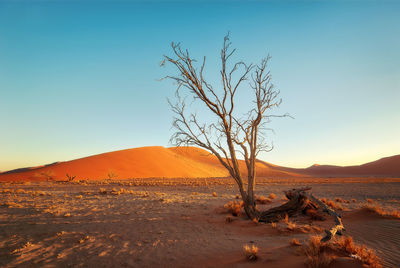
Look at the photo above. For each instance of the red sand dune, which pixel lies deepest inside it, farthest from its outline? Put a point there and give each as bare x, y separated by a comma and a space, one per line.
145, 162
181, 162
384, 167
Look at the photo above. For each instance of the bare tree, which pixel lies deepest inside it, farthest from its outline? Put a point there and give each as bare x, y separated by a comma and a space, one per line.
232, 133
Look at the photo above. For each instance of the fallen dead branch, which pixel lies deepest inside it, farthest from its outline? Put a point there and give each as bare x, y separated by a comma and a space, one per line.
299, 202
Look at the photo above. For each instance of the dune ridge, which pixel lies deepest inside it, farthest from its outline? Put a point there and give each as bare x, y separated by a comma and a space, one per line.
181, 162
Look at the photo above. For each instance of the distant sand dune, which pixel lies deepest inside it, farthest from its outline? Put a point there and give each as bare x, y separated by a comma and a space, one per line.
181, 162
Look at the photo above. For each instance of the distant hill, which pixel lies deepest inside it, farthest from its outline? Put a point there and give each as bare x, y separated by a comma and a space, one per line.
384, 167
388, 166
182, 162
144, 162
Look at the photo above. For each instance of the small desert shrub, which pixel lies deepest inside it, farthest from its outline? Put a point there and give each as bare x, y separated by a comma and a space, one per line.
286, 218
103, 191
234, 207
319, 254
295, 242
291, 226
250, 252
315, 253
262, 199
214, 194
273, 225
319, 261
272, 196
353, 200
70, 177
339, 200
334, 205
79, 197
369, 200
366, 255
115, 191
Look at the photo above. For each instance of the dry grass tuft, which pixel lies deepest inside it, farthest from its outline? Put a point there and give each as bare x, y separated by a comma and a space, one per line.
341, 200
250, 252
320, 261
291, 226
320, 254
332, 204
272, 196
361, 252
214, 194
233, 207
393, 214
369, 200
262, 200
286, 219
315, 253
102, 191
295, 242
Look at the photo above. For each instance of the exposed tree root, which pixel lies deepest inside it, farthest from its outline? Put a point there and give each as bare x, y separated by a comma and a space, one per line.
299, 202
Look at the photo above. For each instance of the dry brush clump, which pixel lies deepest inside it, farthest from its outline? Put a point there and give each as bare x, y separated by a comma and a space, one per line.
393, 214
332, 204
369, 200
233, 207
361, 252
260, 199
295, 242
321, 254
250, 252
341, 200
115, 191
286, 225
316, 253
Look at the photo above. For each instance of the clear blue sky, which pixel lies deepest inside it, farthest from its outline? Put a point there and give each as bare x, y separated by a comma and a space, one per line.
80, 77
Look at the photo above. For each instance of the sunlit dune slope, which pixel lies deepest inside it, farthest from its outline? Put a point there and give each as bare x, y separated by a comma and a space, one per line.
263, 169
142, 162
145, 162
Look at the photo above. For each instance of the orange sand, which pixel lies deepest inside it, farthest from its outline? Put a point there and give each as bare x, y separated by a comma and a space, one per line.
182, 162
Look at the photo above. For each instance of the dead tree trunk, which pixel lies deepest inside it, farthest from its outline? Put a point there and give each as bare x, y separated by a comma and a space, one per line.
299, 202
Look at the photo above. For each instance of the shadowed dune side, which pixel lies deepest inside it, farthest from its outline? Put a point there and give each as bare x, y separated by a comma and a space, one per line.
384, 167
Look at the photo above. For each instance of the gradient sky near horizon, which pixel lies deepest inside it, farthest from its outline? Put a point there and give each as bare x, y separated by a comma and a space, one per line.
79, 78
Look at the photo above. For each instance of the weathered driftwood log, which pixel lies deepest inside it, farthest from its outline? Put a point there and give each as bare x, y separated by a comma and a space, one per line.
338, 227
299, 202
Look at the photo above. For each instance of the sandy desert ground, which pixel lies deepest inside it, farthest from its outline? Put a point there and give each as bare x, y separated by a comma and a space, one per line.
182, 223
